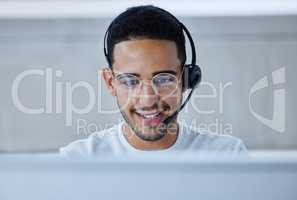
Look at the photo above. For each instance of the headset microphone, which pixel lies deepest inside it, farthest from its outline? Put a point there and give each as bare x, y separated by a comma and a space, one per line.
173, 116
196, 78
191, 76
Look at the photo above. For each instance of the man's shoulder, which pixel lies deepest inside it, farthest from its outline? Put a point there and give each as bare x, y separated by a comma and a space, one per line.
89, 145
208, 141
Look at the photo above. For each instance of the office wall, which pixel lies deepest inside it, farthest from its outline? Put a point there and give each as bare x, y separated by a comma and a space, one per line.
234, 53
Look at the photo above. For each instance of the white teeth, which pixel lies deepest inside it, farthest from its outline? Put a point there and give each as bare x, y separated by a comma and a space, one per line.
149, 116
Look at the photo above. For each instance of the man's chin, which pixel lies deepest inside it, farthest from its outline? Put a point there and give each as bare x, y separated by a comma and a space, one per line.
149, 133
149, 136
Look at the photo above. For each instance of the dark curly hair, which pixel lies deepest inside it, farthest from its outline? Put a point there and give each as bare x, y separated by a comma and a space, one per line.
145, 22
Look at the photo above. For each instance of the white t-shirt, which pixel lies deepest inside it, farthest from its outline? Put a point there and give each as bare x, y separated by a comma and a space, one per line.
113, 141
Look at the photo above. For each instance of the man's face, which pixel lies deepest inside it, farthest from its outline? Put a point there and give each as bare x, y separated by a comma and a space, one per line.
145, 105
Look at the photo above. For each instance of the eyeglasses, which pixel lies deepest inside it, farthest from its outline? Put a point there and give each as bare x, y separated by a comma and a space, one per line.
162, 83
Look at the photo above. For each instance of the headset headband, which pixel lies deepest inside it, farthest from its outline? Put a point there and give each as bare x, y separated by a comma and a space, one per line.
184, 28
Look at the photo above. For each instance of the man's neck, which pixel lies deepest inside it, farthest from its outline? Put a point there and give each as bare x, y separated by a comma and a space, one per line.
165, 142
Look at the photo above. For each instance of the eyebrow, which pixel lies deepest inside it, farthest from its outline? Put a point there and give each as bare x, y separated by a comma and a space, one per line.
154, 73
165, 71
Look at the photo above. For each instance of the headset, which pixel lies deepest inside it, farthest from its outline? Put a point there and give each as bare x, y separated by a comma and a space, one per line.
191, 73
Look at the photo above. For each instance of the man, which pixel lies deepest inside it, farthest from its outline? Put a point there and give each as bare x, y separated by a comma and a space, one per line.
146, 56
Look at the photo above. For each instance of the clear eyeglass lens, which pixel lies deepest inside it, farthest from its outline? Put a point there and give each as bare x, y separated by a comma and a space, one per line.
163, 83
129, 81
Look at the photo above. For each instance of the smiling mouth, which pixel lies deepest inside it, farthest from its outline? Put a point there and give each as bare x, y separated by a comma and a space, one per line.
149, 118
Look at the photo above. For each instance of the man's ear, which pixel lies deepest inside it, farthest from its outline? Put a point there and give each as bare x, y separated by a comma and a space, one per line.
106, 75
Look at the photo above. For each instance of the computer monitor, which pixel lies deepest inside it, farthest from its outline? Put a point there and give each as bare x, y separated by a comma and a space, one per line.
147, 178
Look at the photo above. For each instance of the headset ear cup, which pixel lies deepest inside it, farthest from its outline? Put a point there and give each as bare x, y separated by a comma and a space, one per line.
191, 76
195, 76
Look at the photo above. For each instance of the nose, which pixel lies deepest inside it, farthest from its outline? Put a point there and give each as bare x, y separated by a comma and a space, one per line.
147, 96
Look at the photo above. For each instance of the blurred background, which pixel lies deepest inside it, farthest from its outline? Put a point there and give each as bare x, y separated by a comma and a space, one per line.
51, 53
